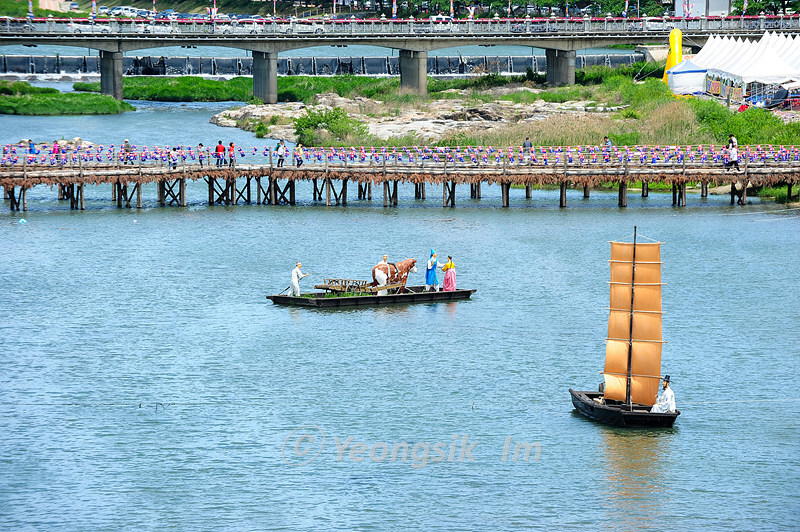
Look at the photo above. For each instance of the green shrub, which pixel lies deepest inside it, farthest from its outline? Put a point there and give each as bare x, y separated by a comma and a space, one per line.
261, 130
630, 113
319, 127
780, 194
753, 126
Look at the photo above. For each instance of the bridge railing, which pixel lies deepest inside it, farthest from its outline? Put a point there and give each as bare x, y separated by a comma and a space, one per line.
511, 27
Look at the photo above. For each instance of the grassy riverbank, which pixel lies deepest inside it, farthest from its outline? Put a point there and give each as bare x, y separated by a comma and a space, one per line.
180, 89
20, 98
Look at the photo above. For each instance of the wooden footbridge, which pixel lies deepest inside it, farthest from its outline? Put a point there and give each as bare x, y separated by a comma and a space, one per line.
258, 178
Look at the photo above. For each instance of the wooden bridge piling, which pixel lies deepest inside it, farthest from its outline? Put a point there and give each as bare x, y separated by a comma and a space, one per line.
362, 190
448, 193
623, 194
528, 192
504, 193
562, 195
390, 193
704, 188
645, 189
682, 194
586, 191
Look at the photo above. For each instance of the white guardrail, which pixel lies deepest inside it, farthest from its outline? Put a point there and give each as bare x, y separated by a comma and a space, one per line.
520, 26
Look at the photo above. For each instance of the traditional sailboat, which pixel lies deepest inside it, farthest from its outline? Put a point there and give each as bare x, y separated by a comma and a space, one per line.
632, 371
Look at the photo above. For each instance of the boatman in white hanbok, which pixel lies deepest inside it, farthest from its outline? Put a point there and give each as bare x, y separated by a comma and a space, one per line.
296, 276
666, 399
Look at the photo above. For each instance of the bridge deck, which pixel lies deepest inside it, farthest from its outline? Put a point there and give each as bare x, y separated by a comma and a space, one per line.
18, 174
376, 171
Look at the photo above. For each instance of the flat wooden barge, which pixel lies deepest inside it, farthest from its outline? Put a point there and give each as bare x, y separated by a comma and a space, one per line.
412, 294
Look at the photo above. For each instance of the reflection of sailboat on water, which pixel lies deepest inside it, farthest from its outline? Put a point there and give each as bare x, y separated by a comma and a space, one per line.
634, 493
633, 347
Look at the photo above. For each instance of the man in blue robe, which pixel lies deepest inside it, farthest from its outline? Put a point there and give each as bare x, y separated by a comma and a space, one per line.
430, 274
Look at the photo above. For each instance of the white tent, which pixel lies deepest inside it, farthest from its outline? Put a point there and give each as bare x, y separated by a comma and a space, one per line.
771, 61
686, 78
768, 61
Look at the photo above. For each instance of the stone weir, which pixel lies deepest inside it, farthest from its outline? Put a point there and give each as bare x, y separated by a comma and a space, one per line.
316, 66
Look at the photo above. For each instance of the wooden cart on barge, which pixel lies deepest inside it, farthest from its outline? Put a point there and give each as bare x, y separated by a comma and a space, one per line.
357, 293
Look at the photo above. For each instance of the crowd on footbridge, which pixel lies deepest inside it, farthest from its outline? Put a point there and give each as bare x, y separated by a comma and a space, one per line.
128, 166
60, 154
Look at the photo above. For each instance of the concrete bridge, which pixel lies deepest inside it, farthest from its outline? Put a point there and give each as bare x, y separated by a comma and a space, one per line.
560, 38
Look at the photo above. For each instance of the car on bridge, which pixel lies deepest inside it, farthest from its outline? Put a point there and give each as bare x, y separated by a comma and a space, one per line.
152, 28
301, 27
535, 26
75, 27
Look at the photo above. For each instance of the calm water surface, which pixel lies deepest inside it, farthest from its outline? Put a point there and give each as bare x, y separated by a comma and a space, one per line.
147, 383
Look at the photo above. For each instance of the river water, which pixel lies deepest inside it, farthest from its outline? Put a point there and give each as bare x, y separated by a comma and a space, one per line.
147, 383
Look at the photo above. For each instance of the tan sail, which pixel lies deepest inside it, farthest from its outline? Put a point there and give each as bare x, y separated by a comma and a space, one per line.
634, 327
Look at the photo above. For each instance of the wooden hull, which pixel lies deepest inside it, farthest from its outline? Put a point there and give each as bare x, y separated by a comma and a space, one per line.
413, 294
619, 415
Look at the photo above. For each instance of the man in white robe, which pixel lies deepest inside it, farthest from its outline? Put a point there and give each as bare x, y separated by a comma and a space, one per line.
666, 399
297, 274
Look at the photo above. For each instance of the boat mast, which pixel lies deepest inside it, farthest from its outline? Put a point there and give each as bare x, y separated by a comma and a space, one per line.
630, 333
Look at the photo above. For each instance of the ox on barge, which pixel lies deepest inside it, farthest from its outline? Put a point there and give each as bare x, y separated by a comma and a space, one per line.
344, 293
633, 347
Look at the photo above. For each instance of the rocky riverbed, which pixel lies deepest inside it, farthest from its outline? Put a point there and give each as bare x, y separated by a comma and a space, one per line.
429, 123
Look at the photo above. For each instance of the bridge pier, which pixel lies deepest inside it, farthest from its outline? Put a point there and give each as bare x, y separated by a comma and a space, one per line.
560, 66
265, 76
414, 71
504, 193
74, 193
449, 194
365, 191
167, 192
219, 193
340, 198
111, 74
17, 200
124, 195
562, 195
274, 195
586, 191
645, 189
390, 193
475, 191
419, 190
622, 200
528, 192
